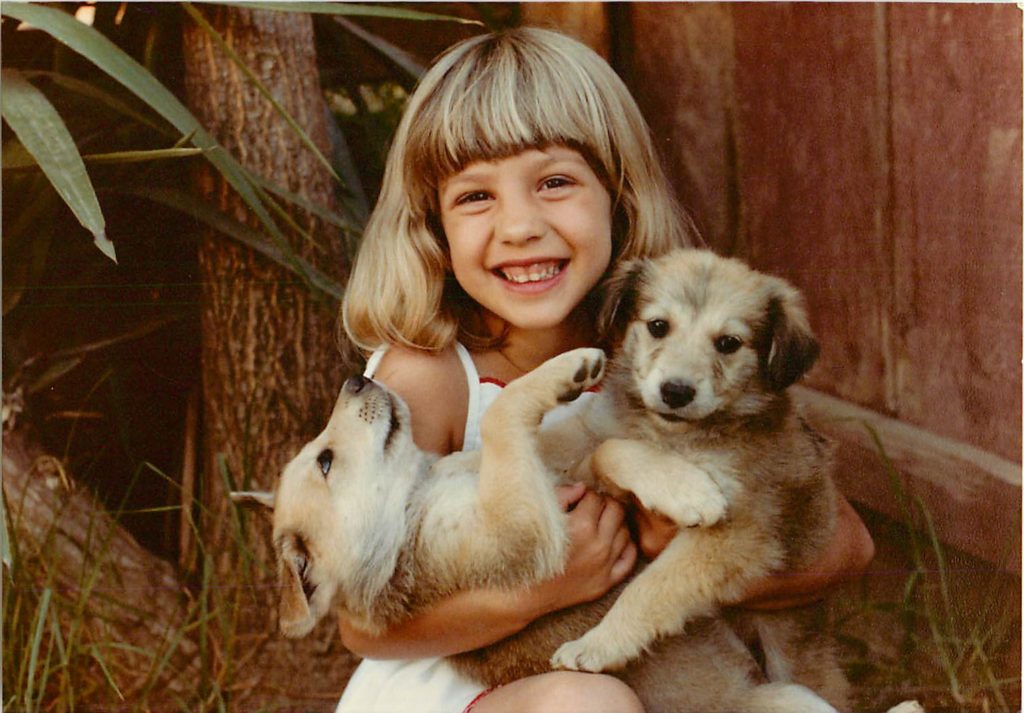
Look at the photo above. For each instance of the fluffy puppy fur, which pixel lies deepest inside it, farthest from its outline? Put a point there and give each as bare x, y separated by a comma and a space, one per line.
693, 420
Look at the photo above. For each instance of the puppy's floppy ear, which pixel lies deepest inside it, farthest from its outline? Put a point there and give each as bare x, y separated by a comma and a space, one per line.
618, 298
259, 500
295, 618
789, 349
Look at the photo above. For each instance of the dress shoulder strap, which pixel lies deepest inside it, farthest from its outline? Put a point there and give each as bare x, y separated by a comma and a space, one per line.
374, 361
471, 432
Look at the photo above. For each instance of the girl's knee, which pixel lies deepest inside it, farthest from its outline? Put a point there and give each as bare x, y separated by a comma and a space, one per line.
563, 692
589, 693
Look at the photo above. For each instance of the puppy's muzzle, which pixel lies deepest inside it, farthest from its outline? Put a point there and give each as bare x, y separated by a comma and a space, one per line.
677, 393
355, 384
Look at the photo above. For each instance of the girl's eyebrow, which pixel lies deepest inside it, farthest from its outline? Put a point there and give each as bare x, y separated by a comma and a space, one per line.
484, 169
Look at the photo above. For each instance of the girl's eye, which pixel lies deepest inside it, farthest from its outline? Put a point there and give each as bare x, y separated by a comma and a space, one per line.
728, 344
471, 197
556, 182
658, 328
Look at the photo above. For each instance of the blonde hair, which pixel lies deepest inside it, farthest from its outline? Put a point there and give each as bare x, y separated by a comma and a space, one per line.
487, 98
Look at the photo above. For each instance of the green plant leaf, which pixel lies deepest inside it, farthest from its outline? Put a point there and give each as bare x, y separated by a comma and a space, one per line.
354, 10
99, 50
96, 93
204, 212
19, 159
398, 56
43, 134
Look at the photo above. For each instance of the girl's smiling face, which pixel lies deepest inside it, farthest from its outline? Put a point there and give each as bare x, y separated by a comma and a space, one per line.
530, 235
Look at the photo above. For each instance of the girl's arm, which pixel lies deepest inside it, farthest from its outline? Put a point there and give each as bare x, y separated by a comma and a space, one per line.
847, 556
601, 554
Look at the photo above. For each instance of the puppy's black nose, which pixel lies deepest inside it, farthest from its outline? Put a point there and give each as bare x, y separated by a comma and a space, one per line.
355, 384
677, 394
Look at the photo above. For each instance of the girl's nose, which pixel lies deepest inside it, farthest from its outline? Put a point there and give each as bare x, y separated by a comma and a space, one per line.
520, 221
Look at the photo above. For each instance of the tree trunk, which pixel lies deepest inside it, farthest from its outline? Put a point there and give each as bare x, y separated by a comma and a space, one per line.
105, 586
271, 363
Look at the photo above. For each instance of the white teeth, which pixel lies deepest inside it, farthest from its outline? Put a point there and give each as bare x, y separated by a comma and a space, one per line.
531, 273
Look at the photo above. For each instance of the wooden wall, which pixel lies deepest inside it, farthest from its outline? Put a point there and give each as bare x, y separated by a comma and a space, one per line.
871, 153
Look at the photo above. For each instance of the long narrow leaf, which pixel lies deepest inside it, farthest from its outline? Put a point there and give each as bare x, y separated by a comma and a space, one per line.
111, 59
187, 203
354, 10
26, 160
43, 134
92, 91
400, 57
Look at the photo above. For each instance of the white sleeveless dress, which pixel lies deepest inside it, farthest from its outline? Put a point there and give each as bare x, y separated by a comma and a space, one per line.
428, 685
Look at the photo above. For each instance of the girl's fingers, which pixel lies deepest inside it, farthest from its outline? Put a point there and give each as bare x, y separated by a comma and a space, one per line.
624, 564
613, 517
569, 495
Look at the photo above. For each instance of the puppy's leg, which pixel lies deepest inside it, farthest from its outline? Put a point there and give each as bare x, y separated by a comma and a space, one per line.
699, 569
784, 698
663, 482
517, 500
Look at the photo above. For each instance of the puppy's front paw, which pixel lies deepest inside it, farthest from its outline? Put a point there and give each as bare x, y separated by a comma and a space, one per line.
591, 652
701, 504
574, 372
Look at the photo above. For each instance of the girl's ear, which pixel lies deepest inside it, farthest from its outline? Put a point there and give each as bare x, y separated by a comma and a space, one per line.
790, 349
618, 299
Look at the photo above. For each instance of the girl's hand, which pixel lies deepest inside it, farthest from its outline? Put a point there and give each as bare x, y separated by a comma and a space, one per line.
601, 552
653, 531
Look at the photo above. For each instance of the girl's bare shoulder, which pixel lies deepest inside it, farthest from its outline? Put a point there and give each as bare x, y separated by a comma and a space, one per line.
433, 386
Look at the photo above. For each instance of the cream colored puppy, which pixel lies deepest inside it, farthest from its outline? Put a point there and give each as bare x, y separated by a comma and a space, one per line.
364, 520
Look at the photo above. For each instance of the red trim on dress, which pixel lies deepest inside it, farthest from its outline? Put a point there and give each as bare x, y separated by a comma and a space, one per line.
480, 696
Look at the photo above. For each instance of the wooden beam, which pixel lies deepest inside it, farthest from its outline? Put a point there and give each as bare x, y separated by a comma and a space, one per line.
972, 496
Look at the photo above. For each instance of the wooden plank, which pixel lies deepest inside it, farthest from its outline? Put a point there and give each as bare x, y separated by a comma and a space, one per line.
973, 496
811, 142
956, 87
680, 72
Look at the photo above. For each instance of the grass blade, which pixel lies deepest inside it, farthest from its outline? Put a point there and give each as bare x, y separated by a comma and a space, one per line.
98, 658
43, 134
37, 637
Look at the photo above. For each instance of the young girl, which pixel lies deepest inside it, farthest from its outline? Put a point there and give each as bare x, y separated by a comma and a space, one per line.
521, 173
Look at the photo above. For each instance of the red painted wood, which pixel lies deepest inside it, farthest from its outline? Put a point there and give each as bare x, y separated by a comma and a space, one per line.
956, 128
813, 180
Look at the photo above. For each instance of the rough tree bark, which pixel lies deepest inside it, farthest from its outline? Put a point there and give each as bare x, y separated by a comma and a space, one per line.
271, 366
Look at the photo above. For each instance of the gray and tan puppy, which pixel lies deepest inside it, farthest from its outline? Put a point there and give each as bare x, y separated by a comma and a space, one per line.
693, 420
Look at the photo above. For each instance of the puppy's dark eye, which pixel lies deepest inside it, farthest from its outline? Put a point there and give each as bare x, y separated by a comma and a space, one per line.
658, 328
324, 460
727, 344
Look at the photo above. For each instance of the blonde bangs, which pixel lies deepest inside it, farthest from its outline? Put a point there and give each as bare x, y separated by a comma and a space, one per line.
504, 94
